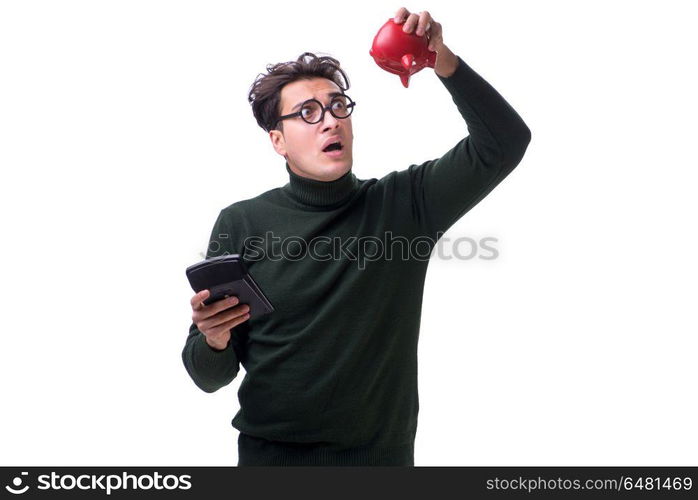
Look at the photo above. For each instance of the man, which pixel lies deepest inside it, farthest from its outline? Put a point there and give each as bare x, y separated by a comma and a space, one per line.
331, 374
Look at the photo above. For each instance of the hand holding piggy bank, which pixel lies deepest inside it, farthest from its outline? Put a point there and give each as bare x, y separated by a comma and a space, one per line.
398, 50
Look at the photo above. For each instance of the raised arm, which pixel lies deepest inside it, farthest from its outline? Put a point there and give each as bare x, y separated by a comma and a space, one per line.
444, 189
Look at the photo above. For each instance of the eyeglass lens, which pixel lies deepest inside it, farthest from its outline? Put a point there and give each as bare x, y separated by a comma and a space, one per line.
311, 111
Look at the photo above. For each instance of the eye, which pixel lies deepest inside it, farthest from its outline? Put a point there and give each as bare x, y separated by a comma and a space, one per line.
310, 111
339, 104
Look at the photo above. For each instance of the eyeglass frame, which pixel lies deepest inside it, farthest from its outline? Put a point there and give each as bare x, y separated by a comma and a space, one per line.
350, 106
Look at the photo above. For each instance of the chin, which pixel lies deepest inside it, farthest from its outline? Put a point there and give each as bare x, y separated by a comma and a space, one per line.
324, 170
334, 170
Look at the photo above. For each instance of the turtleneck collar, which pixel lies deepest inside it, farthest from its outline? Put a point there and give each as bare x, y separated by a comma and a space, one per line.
320, 193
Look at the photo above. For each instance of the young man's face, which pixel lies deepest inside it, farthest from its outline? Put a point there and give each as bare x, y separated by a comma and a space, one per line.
302, 143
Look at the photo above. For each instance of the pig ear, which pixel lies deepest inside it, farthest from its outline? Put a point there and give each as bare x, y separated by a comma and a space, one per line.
407, 61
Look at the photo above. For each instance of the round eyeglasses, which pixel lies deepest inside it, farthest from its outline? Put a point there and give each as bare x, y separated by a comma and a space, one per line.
312, 111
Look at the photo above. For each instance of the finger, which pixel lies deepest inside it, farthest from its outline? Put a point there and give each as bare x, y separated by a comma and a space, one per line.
411, 22
222, 305
213, 309
435, 36
230, 324
198, 299
435, 30
423, 23
401, 14
224, 317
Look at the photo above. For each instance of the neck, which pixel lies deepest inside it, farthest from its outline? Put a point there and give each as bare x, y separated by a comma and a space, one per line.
318, 193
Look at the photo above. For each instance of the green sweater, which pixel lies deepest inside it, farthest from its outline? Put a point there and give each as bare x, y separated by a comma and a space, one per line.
331, 374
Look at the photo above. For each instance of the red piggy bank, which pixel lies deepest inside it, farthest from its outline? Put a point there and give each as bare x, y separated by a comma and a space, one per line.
401, 53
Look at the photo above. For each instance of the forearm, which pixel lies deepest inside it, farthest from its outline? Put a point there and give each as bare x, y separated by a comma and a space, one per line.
446, 188
210, 369
497, 132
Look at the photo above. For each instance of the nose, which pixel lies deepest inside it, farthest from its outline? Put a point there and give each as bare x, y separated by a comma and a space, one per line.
329, 121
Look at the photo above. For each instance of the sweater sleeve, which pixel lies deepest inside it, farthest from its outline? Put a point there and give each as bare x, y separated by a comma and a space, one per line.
444, 189
209, 368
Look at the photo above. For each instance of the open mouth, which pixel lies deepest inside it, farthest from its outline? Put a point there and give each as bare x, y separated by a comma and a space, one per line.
335, 146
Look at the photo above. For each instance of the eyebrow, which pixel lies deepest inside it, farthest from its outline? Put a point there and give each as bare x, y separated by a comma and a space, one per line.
330, 94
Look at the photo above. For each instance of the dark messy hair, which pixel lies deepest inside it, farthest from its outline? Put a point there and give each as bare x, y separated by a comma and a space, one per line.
265, 92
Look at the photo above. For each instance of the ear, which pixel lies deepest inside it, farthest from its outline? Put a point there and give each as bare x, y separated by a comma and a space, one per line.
278, 141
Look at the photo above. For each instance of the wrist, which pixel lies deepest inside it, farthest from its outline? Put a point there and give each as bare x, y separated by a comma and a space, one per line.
216, 346
446, 62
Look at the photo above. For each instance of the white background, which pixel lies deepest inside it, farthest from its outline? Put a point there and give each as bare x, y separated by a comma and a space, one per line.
125, 128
